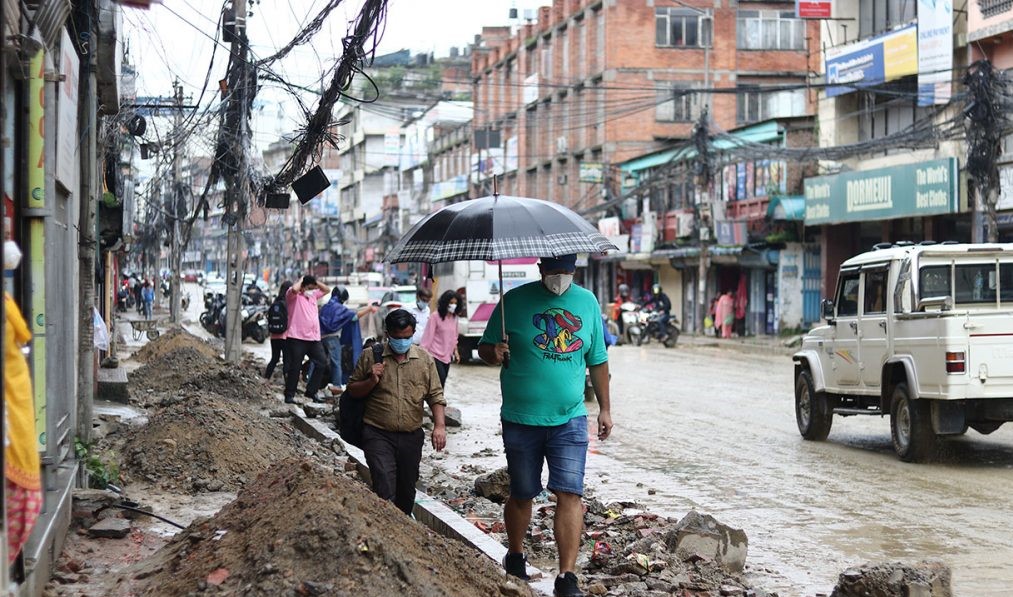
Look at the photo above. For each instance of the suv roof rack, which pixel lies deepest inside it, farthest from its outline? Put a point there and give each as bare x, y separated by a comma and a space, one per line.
881, 246
949, 242
927, 243
903, 243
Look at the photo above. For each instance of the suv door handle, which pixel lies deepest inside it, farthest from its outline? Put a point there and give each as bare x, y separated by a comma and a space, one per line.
854, 325
882, 324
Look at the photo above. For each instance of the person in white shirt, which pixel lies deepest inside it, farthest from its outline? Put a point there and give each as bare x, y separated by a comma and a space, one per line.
420, 310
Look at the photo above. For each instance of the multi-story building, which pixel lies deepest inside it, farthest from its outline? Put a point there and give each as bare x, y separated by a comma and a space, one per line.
587, 98
598, 83
888, 130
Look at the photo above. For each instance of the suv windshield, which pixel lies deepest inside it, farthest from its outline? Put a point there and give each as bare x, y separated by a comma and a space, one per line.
974, 282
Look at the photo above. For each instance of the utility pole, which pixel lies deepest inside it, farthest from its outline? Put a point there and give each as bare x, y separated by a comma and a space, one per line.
176, 240
701, 138
237, 143
88, 222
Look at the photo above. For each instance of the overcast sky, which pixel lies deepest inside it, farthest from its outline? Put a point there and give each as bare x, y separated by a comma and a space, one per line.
175, 40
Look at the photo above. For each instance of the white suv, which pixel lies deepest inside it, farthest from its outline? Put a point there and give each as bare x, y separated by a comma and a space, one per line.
923, 333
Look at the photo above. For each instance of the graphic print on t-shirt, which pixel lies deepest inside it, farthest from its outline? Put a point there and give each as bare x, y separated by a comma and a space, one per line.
559, 331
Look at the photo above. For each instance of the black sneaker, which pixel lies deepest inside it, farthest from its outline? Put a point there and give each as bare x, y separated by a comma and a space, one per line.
566, 586
516, 564
289, 400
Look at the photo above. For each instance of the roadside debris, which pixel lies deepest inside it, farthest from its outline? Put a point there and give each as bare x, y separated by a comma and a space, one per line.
928, 578
302, 529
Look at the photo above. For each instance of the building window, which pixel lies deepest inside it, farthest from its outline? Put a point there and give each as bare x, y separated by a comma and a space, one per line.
889, 113
991, 8
682, 28
675, 104
876, 16
755, 104
770, 30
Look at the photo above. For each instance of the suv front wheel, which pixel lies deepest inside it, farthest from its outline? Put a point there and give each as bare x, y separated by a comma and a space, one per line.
812, 409
911, 426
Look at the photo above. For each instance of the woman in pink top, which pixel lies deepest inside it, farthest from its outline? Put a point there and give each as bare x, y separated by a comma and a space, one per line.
440, 336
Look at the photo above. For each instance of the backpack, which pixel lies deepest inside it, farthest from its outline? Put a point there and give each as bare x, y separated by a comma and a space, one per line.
277, 318
352, 410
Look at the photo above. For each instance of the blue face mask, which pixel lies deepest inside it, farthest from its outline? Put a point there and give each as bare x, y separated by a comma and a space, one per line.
400, 345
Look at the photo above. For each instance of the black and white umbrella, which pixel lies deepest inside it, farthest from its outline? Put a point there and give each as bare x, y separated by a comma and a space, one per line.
495, 228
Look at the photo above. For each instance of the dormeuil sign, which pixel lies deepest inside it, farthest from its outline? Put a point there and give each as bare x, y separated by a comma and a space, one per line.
911, 190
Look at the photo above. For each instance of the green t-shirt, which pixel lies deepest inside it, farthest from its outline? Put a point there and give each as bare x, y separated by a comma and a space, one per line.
553, 340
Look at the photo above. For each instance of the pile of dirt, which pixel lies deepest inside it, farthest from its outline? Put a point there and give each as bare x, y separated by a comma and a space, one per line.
203, 442
301, 529
173, 340
189, 368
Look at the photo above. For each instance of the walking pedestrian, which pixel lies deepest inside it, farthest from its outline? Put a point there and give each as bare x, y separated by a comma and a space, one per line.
555, 335
304, 335
22, 480
440, 337
277, 324
395, 390
420, 311
336, 322
147, 298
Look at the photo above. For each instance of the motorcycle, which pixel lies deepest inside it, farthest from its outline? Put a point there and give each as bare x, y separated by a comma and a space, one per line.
633, 329
254, 323
651, 321
124, 300
213, 318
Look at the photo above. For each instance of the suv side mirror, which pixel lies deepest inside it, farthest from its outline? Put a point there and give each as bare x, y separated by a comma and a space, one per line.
828, 309
943, 303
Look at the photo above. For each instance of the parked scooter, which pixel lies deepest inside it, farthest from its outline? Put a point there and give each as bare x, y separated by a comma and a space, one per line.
629, 312
254, 322
213, 318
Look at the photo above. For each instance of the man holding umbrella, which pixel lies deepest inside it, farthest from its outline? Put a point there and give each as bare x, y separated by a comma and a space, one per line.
553, 333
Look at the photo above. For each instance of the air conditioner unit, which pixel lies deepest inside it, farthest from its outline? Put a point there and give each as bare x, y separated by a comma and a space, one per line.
561, 179
561, 144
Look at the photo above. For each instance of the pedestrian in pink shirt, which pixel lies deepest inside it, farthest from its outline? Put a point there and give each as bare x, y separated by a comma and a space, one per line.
440, 336
304, 336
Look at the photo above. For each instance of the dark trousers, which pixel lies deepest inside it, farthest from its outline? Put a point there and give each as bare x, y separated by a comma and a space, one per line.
393, 458
298, 350
442, 369
279, 350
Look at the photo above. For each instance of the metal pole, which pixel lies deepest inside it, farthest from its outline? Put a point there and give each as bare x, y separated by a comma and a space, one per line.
234, 267
176, 242
88, 250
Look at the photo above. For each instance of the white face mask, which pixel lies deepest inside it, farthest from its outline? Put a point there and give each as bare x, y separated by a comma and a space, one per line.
558, 283
12, 255
451, 307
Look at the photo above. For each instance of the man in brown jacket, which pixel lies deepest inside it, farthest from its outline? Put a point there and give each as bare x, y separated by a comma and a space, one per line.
395, 390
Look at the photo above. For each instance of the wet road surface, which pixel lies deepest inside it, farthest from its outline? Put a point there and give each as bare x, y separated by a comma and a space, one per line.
714, 430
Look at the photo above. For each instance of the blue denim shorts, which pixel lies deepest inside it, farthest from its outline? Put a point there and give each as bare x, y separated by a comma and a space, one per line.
564, 447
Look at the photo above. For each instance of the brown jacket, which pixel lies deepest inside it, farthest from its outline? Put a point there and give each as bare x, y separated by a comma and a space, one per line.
395, 404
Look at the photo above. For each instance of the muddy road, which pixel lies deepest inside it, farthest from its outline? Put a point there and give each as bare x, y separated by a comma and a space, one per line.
714, 430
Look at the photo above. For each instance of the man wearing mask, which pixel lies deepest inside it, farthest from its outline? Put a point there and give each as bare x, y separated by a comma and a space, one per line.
395, 390
420, 311
554, 334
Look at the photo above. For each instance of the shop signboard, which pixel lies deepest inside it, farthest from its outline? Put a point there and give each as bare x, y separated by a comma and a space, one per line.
592, 172
813, 9
935, 51
872, 61
911, 190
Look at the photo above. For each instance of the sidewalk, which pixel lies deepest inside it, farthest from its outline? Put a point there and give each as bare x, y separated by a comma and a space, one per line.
752, 344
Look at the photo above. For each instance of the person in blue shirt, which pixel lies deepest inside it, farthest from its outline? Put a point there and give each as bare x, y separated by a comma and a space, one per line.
554, 335
147, 298
339, 326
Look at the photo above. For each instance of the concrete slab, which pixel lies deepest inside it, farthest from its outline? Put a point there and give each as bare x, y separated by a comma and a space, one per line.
112, 385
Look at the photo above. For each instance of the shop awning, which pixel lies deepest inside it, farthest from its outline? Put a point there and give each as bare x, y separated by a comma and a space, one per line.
761, 133
787, 208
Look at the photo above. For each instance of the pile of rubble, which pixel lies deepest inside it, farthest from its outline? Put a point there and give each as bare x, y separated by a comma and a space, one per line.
302, 529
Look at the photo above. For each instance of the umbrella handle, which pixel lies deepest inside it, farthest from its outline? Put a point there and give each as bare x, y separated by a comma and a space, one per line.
506, 360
